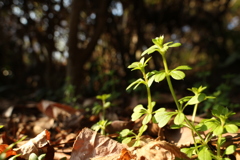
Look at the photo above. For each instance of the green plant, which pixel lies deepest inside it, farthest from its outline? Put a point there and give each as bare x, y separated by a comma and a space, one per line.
217, 126
33, 156
69, 94
101, 109
223, 94
139, 110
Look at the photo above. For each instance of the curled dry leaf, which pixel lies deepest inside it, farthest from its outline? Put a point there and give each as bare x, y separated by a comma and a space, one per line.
55, 110
160, 150
61, 112
34, 145
90, 144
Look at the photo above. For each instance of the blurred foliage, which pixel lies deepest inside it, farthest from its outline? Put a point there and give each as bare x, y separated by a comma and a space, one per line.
34, 36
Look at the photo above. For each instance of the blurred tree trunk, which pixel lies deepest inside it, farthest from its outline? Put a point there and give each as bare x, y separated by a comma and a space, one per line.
79, 56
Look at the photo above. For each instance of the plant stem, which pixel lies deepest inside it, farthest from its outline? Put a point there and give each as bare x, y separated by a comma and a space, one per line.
191, 126
219, 146
194, 112
169, 81
150, 108
103, 111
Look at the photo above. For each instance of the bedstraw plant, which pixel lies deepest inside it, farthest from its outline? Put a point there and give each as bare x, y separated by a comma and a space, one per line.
101, 110
216, 126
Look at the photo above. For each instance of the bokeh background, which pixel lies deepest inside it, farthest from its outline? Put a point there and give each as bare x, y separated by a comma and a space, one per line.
71, 49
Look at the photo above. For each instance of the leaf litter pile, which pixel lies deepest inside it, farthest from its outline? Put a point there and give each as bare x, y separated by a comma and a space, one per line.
61, 132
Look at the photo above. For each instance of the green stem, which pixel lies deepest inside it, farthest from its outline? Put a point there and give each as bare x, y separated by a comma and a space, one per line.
103, 112
191, 126
194, 112
169, 82
219, 146
149, 96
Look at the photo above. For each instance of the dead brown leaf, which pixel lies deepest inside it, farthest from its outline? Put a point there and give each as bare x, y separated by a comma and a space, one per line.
61, 112
90, 144
34, 145
159, 150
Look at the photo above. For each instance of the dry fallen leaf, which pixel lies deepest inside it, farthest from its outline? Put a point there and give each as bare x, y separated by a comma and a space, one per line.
34, 145
90, 144
62, 113
159, 150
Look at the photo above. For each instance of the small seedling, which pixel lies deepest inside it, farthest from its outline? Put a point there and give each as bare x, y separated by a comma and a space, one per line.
101, 110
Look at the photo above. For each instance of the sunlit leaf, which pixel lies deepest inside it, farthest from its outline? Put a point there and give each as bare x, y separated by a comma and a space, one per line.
107, 105
197, 99
212, 124
174, 45
127, 140
177, 75
138, 81
147, 119
138, 108
230, 149
231, 128
204, 154
162, 118
183, 67
136, 115
160, 110
150, 50
143, 128
179, 118
218, 130
137, 143
150, 81
160, 76
125, 132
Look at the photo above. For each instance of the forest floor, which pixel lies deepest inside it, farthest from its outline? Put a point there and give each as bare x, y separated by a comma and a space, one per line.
62, 132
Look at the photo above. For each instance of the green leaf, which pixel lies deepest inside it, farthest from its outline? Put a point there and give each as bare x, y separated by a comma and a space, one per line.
125, 132
204, 154
218, 130
150, 50
96, 127
147, 119
150, 81
212, 123
160, 76
139, 108
136, 143
162, 118
12, 158
136, 82
179, 118
145, 63
183, 67
188, 151
174, 45
127, 140
177, 75
158, 41
160, 110
33, 156
107, 105
231, 128
42, 156
197, 99
143, 128
230, 149
136, 115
